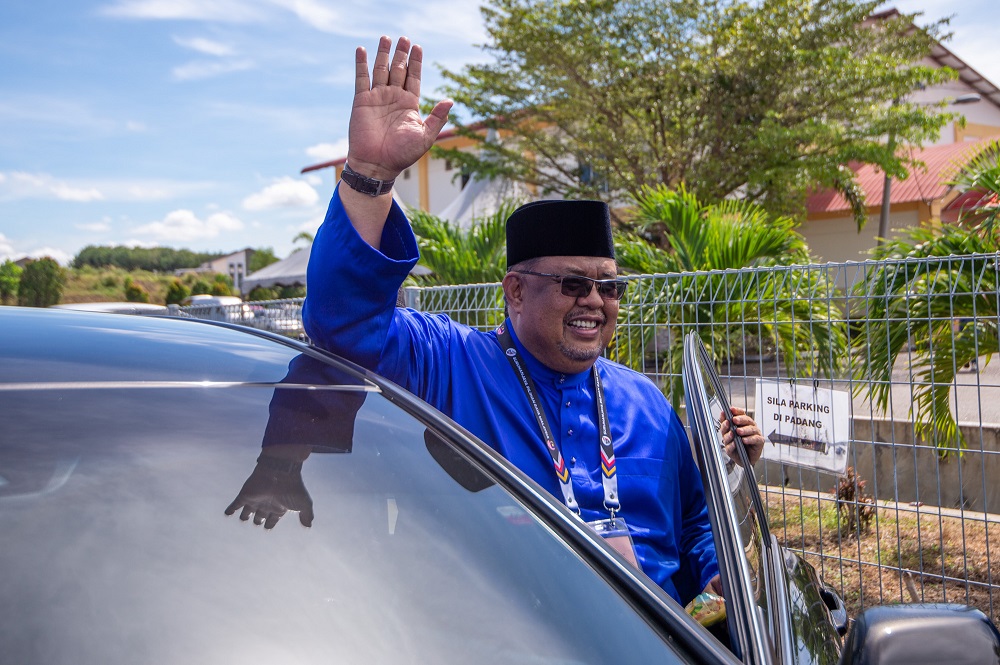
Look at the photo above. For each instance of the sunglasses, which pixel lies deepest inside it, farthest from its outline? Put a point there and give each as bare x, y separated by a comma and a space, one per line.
576, 286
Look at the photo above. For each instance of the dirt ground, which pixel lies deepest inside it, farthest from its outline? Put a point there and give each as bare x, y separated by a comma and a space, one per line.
902, 556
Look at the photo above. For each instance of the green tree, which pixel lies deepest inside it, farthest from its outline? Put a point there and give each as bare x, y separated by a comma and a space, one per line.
177, 292
454, 255
41, 283
10, 278
602, 97
261, 258
476, 255
915, 308
731, 310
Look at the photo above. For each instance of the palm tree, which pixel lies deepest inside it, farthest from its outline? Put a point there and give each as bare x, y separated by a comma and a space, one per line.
457, 256
933, 279
731, 308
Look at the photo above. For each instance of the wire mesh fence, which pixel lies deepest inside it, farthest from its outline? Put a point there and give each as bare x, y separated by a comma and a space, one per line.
909, 341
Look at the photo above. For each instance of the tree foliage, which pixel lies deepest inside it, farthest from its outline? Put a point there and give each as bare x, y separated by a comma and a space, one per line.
41, 283
261, 258
916, 306
730, 309
154, 259
10, 278
599, 98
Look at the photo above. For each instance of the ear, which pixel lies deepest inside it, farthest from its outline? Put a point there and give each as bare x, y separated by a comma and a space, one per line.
513, 291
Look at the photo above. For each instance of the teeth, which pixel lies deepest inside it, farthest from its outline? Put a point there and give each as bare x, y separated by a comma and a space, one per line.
583, 324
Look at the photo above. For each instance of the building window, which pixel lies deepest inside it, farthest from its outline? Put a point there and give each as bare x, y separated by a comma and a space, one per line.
406, 174
448, 165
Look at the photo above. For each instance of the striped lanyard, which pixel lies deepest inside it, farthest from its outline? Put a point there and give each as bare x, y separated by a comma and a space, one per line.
609, 472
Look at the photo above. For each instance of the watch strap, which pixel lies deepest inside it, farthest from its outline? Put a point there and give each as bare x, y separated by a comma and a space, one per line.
364, 184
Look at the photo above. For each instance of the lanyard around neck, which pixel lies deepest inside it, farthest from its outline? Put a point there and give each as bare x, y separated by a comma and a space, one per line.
609, 472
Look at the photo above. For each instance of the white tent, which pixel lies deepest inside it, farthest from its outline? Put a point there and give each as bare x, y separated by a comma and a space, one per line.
286, 272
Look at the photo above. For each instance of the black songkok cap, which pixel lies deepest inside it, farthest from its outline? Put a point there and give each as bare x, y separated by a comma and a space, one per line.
559, 228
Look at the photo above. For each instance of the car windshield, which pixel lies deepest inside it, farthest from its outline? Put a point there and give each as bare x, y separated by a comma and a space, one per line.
116, 545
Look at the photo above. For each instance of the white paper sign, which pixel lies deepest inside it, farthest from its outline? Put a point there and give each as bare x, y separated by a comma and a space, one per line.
805, 425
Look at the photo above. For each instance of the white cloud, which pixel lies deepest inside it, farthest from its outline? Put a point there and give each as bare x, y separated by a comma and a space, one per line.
61, 257
325, 152
227, 11
135, 126
102, 226
313, 13
206, 46
285, 193
21, 185
183, 225
313, 179
201, 69
6, 248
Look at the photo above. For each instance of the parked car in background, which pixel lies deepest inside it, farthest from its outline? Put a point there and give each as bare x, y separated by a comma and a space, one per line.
282, 318
183, 491
230, 309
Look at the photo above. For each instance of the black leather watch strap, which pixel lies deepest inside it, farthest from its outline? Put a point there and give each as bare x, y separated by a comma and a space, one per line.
364, 184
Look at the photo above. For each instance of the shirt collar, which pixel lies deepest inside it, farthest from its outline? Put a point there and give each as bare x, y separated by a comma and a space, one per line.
541, 373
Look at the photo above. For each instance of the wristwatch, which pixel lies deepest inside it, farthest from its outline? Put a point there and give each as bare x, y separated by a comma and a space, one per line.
364, 184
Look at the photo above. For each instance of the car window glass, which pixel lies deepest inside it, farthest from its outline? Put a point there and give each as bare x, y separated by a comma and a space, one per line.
116, 547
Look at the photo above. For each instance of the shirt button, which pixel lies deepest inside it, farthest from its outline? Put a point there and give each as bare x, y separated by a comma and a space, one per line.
567, 403
572, 461
570, 432
562, 378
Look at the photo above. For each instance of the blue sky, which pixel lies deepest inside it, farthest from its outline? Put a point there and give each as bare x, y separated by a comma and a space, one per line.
185, 123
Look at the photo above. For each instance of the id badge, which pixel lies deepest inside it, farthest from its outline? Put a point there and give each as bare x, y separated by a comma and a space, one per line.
615, 531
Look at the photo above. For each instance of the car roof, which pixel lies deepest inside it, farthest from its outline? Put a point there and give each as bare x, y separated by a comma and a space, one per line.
46, 345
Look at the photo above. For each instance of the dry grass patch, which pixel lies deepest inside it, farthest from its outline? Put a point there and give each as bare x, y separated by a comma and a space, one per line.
906, 554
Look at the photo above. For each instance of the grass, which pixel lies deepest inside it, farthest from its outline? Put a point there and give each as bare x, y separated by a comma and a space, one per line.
906, 555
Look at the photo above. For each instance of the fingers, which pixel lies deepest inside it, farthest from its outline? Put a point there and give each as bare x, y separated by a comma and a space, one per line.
398, 71
361, 82
306, 516
231, 508
380, 72
413, 71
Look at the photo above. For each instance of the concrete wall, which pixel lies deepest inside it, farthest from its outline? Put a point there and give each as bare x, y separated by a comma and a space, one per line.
905, 472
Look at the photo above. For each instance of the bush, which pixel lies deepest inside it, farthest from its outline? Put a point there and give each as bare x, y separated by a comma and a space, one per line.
41, 283
134, 292
177, 292
10, 280
855, 505
262, 293
200, 287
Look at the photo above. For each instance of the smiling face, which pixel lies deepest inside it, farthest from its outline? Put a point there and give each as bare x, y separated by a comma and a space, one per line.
564, 333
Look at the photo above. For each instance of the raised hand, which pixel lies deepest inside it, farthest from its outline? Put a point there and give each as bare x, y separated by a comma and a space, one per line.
387, 134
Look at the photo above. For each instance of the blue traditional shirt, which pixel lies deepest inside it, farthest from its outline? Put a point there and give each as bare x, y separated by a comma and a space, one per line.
350, 310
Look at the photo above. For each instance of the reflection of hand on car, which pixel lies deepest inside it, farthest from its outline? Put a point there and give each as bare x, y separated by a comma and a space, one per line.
753, 439
274, 487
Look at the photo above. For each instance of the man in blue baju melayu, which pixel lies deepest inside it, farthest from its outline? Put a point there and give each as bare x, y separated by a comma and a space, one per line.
593, 432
